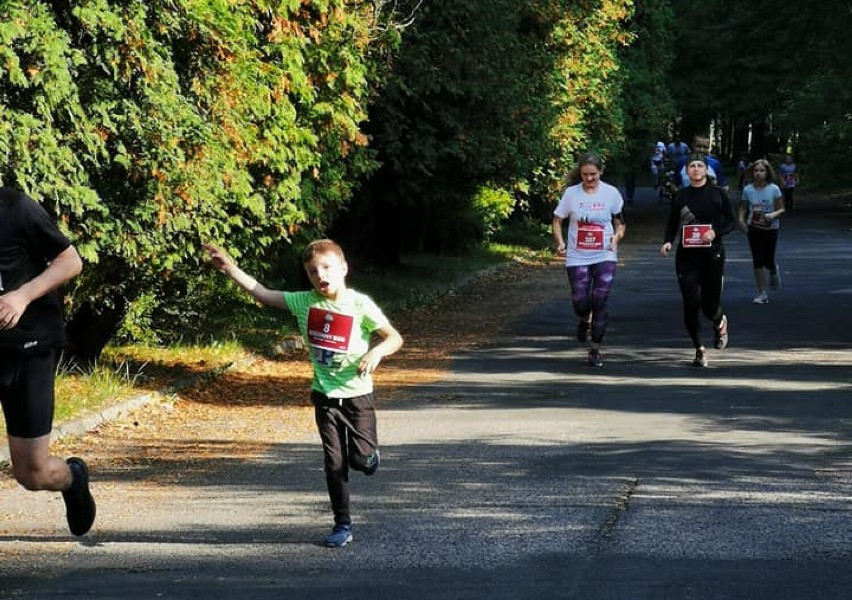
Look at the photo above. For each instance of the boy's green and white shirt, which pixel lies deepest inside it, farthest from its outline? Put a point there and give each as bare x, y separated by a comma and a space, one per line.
337, 334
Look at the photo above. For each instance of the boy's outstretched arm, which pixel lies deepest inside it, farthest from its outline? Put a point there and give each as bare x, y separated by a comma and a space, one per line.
221, 261
390, 343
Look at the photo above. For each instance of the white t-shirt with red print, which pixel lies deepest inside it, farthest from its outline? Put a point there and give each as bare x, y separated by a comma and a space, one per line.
590, 227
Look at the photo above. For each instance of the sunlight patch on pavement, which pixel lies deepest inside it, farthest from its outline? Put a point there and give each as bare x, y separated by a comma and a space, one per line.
769, 383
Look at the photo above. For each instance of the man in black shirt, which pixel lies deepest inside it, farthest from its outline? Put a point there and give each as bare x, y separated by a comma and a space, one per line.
35, 260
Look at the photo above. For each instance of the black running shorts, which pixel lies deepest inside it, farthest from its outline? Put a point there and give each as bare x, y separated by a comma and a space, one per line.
26, 392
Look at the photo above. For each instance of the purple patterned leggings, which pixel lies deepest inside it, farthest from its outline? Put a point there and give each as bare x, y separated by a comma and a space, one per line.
590, 286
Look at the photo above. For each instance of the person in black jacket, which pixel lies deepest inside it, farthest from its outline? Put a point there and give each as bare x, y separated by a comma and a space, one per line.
35, 260
701, 214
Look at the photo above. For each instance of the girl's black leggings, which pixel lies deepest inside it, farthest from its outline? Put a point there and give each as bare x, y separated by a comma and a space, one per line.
763, 243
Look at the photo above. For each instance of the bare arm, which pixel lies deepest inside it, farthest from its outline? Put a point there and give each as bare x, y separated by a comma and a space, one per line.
61, 269
619, 230
557, 236
221, 261
391, 342
779, 207
741, 215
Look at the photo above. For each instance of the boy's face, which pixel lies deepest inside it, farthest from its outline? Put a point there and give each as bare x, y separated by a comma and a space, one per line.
701, 145
327, 273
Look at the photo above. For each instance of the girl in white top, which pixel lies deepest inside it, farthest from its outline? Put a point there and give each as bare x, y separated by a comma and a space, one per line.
761, 207
595, 225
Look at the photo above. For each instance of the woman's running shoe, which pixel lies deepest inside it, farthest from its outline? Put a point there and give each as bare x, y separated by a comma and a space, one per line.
761, 298
595, 358
720, 337
700, 359
775, 280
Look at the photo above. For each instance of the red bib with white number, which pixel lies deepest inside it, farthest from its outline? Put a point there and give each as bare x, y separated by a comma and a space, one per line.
590, 236
692, 236
329, 330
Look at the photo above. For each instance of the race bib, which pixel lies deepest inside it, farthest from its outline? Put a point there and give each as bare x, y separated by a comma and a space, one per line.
590, 236
691, 237
328, 334
758, 219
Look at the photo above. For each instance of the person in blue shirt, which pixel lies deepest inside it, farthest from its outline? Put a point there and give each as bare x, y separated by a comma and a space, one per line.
715, 172
677, 150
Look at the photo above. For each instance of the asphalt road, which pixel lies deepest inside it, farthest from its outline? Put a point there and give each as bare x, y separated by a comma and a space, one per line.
526, 474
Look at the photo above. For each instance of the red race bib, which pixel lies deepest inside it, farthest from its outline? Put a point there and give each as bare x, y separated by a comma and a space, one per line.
758, 219
329, 330
590, 236
691, 237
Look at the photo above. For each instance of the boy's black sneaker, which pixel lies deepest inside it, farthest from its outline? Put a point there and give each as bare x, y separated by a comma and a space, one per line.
372, 463
720, 339
79, 505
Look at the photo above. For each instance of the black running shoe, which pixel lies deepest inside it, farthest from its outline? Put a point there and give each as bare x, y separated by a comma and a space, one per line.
595, 358
583, 328
700, 359
79, 505
372, 463
720, 339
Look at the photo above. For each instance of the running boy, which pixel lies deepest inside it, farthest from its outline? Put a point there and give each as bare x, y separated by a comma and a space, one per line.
337, 324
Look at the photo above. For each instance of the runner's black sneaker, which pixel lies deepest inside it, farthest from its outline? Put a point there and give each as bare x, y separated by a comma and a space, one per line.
595, 358
79, 505
372, 463
720, 338
700, 359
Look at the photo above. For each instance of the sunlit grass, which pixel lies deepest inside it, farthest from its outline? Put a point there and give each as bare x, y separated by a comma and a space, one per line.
212, 353
79, 392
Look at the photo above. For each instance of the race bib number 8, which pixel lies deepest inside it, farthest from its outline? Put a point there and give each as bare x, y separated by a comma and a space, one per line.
329, 330
590, 236
328, 335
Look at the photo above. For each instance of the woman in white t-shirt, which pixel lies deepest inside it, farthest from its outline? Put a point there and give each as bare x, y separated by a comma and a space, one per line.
761, 207
595, 225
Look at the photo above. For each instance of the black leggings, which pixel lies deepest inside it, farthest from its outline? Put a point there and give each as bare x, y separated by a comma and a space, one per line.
700, 275
788, 199
763, 243
348, 431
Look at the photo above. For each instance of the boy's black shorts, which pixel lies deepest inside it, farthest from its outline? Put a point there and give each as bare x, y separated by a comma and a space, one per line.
26, 392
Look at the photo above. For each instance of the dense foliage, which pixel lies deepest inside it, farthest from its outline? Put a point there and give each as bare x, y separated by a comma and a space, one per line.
743, 67
147, 128
496, 95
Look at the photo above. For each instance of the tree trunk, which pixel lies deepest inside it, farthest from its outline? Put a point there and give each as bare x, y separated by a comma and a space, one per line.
89, 331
